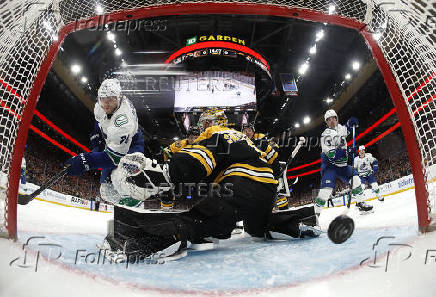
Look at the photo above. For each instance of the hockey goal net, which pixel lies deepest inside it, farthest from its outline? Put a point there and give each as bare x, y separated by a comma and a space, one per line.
400, 34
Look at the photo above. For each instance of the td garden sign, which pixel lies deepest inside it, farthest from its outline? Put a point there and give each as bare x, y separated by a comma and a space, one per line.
204, 38
215, 45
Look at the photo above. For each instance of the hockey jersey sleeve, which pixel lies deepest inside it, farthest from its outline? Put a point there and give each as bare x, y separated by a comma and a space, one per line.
96, 139
374, 163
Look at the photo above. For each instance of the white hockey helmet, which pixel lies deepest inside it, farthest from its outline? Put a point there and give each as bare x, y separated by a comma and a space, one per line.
330, 113
362, 148
110, 87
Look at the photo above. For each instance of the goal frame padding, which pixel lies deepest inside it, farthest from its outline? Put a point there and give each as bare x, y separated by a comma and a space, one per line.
223, 8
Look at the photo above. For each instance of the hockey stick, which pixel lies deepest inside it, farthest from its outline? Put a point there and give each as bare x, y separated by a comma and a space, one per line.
300, 143
25, 199
351, 190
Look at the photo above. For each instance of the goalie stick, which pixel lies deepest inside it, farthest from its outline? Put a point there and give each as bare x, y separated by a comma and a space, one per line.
25, 199
300, 143
354, 146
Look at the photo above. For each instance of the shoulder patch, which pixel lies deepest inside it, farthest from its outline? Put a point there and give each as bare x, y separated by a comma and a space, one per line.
121, 120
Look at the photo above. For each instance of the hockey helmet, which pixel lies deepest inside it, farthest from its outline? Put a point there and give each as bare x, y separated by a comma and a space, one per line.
110, 88
216, 115
330, 113
362, 148
194, 130
248, 126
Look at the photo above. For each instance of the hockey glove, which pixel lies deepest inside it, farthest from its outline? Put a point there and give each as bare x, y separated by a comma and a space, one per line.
87, 161
96, 139
352, 122
337, 154
375, 167
352, 150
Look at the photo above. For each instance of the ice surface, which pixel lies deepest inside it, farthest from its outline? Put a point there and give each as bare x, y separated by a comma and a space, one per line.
241, 265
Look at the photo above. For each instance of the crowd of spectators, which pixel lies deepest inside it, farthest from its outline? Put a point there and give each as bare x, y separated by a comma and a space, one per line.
43, 160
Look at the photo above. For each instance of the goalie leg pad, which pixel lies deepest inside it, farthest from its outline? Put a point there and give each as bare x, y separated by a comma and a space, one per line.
140, 234
288, 222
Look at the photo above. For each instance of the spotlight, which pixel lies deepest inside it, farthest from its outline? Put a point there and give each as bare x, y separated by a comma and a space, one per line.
319, 35
303, 68
356, 65
75, 68
110, 36
332, 8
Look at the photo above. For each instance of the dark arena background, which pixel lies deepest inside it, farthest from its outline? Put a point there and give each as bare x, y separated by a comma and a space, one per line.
278, 65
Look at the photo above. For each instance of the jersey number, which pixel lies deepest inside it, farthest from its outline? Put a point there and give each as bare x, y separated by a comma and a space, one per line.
124, 139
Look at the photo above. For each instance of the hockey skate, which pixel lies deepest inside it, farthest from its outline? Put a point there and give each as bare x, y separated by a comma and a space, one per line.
381, 198
309, 231
364, 208
112, 255
239, 229
204, 244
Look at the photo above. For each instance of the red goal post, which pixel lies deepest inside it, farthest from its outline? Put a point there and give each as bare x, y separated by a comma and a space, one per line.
400, 35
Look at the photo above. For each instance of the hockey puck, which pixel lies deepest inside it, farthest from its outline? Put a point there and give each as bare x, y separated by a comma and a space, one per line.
340, 229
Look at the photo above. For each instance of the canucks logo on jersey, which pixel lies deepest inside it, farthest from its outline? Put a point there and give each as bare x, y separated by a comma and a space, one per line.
121, 120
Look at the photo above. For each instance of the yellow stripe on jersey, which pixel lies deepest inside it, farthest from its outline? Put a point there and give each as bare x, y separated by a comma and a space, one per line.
203, 155
204, 149
254, 168
200, 159
255, 178
259, 174
258, 136
178, 145
271, 157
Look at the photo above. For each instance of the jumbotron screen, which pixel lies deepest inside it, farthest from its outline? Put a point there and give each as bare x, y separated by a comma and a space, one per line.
229, 90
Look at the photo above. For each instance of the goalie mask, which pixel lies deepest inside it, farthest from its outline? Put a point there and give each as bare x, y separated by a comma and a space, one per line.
194, 131
216, 116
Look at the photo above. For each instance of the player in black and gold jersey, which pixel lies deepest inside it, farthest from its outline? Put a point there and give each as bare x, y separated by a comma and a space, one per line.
193, 133
232, 162
271, 155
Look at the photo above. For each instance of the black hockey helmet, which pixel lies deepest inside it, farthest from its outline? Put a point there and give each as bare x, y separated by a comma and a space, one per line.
194, 130
248, 125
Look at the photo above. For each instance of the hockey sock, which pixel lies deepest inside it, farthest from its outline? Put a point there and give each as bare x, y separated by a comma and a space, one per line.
282, 202
166, 205
323, 195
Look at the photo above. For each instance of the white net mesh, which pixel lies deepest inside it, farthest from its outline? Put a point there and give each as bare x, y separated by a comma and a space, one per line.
406, 31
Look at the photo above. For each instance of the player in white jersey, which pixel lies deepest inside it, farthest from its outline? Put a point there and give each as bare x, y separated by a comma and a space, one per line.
367, 167
334, 162
116, 134
23, 175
